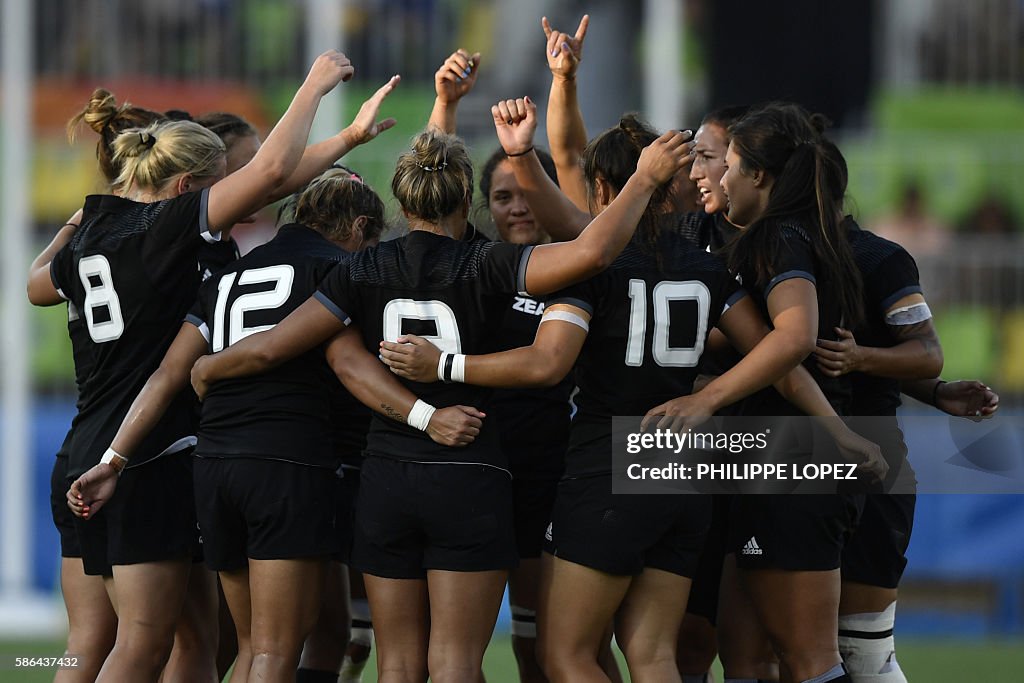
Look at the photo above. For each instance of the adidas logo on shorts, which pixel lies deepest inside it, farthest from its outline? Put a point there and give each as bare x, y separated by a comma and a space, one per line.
547, 533
752, 548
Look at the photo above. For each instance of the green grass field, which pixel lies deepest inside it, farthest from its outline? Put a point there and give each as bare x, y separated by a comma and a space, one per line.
924, 661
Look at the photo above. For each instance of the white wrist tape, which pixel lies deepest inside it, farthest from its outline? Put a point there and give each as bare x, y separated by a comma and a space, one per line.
459, 368
440, 365
419, 416
115, 460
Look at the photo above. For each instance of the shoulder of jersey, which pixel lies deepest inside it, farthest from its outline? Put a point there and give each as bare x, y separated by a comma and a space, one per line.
792, 229
869, 248
690, 223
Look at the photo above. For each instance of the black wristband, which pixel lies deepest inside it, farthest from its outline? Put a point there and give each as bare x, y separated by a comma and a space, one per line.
449, 361
520, 154
935, 391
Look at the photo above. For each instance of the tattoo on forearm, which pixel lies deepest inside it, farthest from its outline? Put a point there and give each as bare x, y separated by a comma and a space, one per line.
923, 332
392, 413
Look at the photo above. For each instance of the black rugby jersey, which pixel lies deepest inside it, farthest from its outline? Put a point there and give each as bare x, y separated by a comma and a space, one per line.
130, 270
350, 420
796, 259
649, 324
216, 256
696, 227
889, 274
285, 413
451, 293
534, 423
706, 231
81, 353
722, 234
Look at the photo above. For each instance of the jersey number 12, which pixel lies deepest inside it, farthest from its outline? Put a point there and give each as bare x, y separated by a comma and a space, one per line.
282, 276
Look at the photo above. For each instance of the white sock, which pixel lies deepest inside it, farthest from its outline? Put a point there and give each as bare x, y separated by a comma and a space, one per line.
362, 635
868, 648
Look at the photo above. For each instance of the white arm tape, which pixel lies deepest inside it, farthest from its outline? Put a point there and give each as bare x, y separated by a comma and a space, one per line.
108, 459
419, 416
440, 365
566, 316
908, 315
459, 368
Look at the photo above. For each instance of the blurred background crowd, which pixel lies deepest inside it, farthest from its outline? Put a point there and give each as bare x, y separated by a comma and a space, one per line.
925, 94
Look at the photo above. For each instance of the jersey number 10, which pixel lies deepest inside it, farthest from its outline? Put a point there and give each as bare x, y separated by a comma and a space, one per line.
664, 293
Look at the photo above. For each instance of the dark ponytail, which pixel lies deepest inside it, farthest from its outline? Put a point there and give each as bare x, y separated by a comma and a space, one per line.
810, 179
109, 119
613, 155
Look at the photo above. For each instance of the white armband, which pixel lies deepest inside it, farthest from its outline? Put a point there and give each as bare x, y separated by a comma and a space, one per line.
566, 316
908, 315
420, 414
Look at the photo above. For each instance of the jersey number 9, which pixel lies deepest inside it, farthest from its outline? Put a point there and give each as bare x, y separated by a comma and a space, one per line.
446, 338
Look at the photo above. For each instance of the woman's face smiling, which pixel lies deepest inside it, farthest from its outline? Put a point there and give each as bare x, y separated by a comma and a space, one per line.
709, 166
746, 192
509, 209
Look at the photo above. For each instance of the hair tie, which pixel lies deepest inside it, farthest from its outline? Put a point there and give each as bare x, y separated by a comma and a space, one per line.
430, 169
147, 140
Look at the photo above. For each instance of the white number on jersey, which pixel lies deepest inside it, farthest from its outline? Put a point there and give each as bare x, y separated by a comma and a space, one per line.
100, 296
664, 293
447, 337
282, 276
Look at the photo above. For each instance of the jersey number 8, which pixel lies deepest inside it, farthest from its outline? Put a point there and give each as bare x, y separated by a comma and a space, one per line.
664, 293
94, 271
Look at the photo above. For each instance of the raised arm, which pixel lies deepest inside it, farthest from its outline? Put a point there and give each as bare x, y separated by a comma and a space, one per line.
307, 326
251, 187
916, 355
319, 157
41, 291
453, 81
546, 362
557, 265
515, 122
567, 134
94, 488
372, 384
